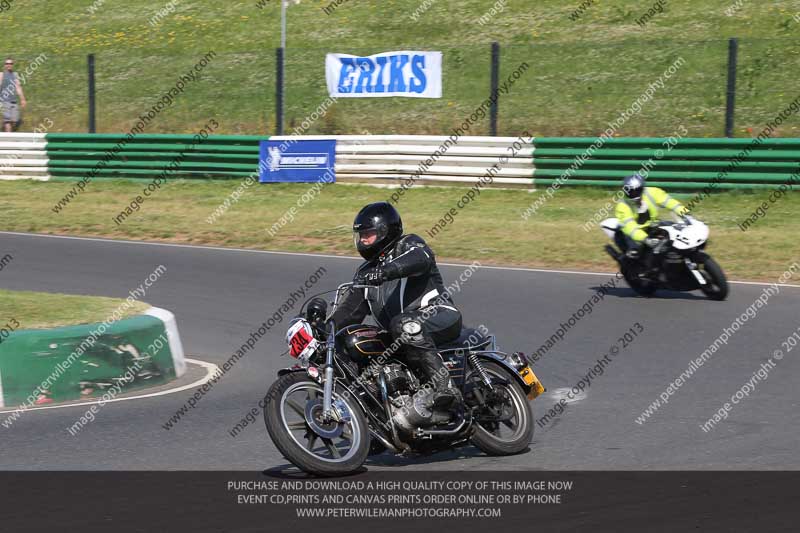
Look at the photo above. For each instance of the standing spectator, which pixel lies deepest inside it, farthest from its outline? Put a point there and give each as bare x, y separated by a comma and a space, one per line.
10, 88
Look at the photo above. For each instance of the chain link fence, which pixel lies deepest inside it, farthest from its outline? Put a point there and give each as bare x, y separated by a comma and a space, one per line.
568, 90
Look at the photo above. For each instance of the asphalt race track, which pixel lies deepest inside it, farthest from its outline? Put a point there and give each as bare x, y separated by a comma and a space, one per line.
219, 296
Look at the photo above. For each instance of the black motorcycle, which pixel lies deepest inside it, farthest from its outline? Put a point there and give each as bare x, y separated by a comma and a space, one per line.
349, 396
680, 261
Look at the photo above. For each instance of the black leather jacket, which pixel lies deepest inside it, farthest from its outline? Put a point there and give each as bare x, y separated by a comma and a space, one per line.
414, 282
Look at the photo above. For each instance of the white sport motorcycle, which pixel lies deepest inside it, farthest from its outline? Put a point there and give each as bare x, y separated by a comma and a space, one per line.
679, 261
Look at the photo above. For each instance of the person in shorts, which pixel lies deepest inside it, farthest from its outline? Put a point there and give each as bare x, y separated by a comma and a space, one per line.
10, 90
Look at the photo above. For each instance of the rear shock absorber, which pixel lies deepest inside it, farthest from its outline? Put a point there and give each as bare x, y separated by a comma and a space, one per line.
478, 366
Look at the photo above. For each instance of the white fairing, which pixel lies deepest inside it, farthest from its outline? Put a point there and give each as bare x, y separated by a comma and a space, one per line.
683, 236
688, 236
609, 226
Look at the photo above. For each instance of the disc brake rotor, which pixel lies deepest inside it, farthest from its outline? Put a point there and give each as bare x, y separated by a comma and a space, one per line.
327, 429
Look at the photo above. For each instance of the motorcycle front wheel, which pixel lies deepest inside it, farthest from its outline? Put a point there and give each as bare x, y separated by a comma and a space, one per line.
512, 431
293, 416
716, 287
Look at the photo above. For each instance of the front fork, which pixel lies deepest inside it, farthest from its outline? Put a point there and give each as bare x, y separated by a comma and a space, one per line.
327, 396
692, 266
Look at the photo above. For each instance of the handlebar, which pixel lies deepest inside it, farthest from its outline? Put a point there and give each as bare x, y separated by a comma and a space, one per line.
350, 284
339, 291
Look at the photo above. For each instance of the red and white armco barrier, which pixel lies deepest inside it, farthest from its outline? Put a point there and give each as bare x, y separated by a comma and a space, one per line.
23, 156
398, 157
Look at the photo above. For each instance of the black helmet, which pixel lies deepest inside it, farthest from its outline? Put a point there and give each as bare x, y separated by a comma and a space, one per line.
379, 219
633, 186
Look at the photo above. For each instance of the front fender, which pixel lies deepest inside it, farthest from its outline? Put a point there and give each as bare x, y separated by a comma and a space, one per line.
312, 371
290, 369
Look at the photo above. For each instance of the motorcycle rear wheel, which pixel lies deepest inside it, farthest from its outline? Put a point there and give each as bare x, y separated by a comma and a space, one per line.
489, 437
642, 288
286, 415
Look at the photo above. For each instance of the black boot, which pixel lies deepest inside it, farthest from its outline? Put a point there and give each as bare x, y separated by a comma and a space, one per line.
443, 398
435, 377
650, 268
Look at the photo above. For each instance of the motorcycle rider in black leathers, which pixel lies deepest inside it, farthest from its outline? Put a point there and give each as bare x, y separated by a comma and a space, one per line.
411, 303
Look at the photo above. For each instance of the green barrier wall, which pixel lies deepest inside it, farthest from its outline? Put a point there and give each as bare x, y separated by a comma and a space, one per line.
183, 156
77, 368
688, 163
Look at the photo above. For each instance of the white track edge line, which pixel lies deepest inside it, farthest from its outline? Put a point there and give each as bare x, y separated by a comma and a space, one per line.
211, 369
329, 256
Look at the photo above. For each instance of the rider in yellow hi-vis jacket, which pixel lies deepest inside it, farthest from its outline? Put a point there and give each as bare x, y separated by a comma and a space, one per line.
637, 211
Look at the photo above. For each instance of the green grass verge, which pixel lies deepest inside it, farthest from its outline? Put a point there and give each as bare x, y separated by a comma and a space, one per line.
490, 229
37, 310
583, 72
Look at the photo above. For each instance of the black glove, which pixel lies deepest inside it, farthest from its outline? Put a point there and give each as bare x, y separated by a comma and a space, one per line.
635, 251
370, 276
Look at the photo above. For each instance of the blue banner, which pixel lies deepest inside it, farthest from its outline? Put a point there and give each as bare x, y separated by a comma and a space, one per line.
294, 161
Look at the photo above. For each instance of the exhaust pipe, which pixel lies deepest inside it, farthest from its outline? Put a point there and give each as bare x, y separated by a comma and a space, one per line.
442, 432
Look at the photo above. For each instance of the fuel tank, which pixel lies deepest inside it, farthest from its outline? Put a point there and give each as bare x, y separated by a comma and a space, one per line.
361, 342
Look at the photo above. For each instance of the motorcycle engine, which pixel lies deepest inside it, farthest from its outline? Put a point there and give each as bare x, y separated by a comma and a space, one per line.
408, 400
397, 379
673, 264
673, 257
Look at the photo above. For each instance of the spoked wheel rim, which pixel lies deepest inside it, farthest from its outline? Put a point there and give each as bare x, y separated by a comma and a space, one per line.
300, 409
511, 407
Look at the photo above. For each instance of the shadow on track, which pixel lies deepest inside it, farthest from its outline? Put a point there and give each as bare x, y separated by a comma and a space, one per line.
663, 294
386, 460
